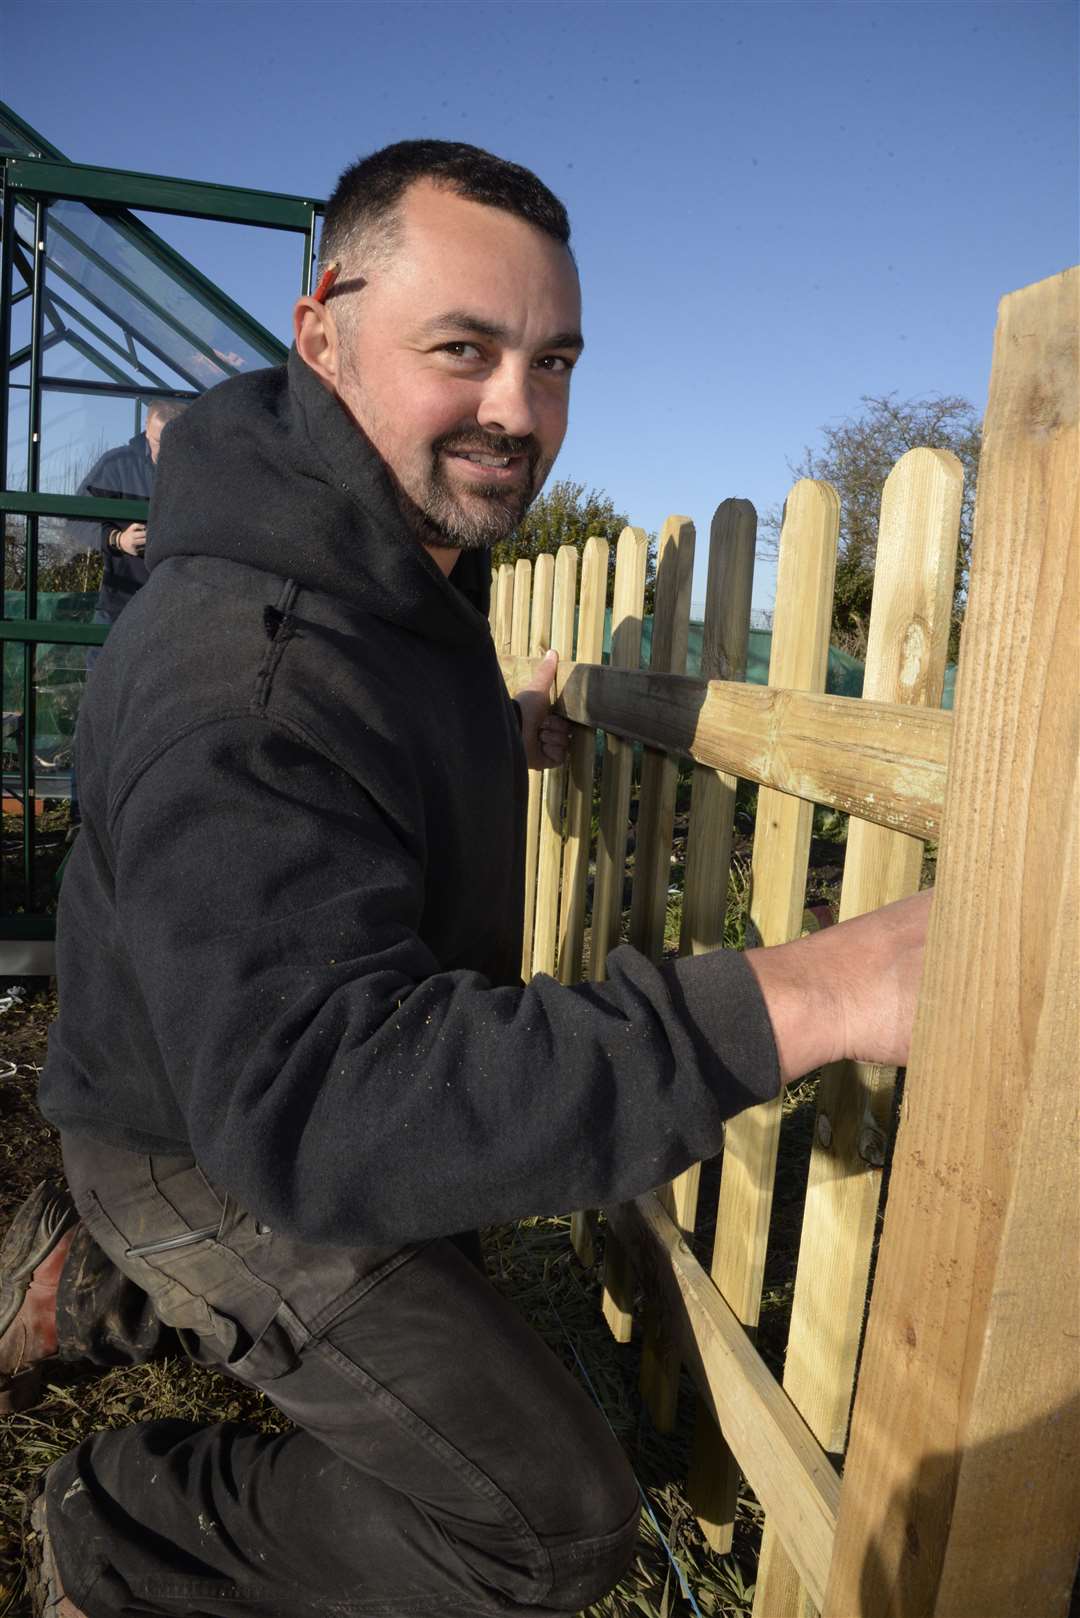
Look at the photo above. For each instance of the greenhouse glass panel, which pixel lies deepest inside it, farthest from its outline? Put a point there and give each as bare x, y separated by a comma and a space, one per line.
98, 257
102, 317
18, 138
29, 867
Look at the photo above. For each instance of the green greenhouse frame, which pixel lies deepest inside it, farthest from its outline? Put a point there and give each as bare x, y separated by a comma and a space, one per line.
100, 290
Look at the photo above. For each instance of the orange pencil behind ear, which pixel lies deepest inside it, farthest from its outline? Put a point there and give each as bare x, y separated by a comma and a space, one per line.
326, 281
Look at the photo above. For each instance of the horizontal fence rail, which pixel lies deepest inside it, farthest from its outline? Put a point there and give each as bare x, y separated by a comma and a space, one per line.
881, 761
783, 1461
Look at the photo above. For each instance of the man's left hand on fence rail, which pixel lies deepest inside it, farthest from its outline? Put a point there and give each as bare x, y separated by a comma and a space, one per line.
546, 735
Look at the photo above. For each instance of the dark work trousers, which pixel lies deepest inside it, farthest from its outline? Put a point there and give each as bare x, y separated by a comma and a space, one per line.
443, 1461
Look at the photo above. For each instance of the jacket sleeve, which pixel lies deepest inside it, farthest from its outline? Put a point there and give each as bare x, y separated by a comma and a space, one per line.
340, 1083
95, 485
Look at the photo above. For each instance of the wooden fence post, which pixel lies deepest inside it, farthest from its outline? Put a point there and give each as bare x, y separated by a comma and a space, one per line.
539, 642
725, 643
656, 812
726, 632
967, 1423
652, 868
906, 654
799, 661
545, 930
631, 555
659, 771
579, 804
631, 558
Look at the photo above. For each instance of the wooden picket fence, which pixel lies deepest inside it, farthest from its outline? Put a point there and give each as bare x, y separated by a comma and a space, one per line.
959, 1487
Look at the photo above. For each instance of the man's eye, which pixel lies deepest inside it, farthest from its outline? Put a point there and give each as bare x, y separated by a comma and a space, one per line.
558, 364
461, 351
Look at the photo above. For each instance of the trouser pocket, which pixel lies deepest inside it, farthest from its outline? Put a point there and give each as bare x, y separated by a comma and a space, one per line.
223, 1315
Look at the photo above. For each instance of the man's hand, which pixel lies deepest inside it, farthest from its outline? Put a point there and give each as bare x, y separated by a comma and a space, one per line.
545, 734
848, 991
132, 539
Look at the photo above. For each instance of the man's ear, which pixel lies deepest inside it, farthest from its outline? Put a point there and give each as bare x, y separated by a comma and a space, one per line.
317, 342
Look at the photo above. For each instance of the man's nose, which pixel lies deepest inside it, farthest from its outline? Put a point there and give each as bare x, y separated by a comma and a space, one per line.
507, 404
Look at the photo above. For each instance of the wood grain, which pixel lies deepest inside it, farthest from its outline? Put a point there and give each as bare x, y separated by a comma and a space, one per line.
543, 589
879, 761
905, 663
789, 1471
961, 1487
549, 864
581, 768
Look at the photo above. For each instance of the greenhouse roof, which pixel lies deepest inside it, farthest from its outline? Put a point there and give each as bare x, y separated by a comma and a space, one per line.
131, 307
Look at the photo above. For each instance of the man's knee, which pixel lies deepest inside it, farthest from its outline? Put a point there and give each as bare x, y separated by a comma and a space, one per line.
585, 1569
588, 1561
572, 1542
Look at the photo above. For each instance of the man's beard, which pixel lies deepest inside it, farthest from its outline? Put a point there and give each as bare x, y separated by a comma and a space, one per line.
489, 512
438, 514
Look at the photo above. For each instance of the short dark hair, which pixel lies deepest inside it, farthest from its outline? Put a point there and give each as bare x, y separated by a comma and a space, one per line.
365, 198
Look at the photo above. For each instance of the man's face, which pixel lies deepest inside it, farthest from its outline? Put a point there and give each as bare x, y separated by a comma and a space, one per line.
455, 359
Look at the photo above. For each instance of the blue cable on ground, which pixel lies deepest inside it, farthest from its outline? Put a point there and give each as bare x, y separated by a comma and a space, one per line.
679, 1574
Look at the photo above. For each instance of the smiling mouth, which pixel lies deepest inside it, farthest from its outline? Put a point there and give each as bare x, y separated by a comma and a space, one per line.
479, 458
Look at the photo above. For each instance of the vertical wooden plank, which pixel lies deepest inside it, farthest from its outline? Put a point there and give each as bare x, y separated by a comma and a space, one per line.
539, 643
652, 873
519, 618
800, 647
581, 768
732, 544
656, 812
726, 630
493, 600
504, 608
579, 803
799, 661
545, 929
659, 771
905, 663
966, 1426
631, 557
519, 647
627, 611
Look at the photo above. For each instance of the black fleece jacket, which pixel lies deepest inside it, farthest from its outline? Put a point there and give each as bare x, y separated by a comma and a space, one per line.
289, 933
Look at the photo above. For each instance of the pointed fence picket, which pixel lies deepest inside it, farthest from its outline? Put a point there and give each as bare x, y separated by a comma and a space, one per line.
543, 592
905, 662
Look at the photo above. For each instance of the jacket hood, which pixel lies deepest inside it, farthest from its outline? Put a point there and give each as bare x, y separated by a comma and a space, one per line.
269, 470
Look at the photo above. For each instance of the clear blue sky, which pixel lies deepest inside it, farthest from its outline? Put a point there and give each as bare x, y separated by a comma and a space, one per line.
776, 207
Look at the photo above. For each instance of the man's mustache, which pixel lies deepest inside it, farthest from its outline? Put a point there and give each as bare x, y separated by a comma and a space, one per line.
489, 444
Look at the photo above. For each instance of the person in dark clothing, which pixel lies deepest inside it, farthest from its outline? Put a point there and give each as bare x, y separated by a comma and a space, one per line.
298, 1062
127, 473
124, 473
